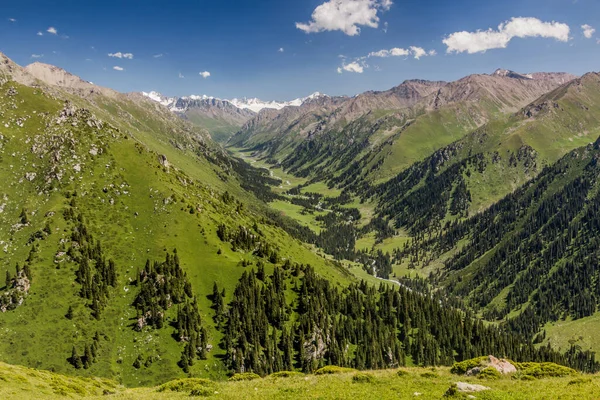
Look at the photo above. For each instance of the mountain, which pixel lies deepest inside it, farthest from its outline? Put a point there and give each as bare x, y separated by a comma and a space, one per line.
222, 118
93, 186
135, 248
382, 133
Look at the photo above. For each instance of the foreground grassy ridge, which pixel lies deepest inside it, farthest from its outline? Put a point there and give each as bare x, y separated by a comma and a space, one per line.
23, 383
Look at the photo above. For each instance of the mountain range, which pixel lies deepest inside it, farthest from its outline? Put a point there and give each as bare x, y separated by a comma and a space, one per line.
422, 225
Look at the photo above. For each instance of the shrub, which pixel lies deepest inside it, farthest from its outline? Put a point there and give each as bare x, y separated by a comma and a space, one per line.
184, 385
489, 373
246, 376
361, 377
286, 374
461, 368
201, 391
579, 381
429, 375
402, 373
332, 369
544, 370
452, 391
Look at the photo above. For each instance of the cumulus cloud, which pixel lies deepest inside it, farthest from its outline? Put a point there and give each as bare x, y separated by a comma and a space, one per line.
158, 55
395, 52
281, 50
481, 41
121, 55
345, 15
181, 76
351, 67
52, 30
117, 68
205, 74
359, 64
37, 55
12, 20
416, 52
588, 31
40, 33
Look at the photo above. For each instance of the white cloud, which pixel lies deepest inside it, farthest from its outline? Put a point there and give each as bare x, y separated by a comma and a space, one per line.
52, 30
355, 66
12, 20
37, 55
181, 76
281, 50
481, 41
158, 55
345, 15
117, 68
395, 52
352, 67
418, 52
588, 31
205, 74
121, 55
40, 33
385, 27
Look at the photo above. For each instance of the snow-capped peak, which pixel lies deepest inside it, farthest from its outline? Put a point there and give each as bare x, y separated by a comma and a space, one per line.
253, 104
159, 98
511, 74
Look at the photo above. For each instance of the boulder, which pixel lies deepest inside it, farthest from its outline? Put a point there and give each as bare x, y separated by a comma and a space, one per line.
501, 365
470, 388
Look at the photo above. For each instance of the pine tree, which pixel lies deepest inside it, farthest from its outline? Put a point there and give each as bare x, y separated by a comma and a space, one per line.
76, 359
8, 280
69, 314
87, 357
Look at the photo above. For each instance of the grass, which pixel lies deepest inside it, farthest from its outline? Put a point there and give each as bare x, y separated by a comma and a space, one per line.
21, 383
126, 197
581, 332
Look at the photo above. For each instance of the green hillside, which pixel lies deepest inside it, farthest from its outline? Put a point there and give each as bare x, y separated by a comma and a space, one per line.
74, 183
23, 383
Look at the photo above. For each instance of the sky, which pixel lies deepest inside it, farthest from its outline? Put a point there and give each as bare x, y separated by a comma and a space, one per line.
285, 49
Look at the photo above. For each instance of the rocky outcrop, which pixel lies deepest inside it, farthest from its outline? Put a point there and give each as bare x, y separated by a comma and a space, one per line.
501, 365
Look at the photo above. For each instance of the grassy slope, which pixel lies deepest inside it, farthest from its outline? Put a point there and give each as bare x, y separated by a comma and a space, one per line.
220, 129
138, 226
22, 383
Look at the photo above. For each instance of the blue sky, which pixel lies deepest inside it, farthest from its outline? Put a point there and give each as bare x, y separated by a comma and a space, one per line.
239, 41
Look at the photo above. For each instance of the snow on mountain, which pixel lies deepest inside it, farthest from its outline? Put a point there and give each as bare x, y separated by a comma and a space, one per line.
159, 98
252, 104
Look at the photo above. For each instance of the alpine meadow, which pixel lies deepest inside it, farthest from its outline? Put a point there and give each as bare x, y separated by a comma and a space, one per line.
430, 228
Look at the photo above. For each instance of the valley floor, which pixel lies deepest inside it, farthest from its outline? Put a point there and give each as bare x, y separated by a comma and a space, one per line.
424, 383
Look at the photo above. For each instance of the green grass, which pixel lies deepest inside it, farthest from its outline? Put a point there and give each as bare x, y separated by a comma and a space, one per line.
291, 210
581, 332
20, 383
126, 197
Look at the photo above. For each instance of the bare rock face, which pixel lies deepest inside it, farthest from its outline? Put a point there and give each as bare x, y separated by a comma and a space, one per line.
162, 159
501, 365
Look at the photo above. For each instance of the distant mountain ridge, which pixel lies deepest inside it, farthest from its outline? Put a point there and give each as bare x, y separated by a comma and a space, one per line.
377, 134
255, 105
223, 118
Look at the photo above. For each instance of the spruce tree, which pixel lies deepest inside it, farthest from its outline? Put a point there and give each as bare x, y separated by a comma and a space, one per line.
76, 359
8, 280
